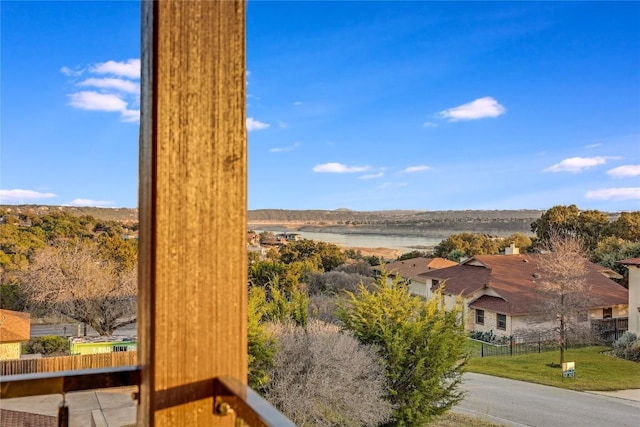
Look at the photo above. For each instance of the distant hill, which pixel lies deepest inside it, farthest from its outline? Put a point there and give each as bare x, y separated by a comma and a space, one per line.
392, 222
107, 214
346, 221
398, 222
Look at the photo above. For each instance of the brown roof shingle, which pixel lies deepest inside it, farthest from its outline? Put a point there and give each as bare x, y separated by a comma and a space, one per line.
411, 268
487, 302
630, 261
15, 326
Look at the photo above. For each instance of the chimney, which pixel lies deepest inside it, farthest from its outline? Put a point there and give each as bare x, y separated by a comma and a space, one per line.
511, 250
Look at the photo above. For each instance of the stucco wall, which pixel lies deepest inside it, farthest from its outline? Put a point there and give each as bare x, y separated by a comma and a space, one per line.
634, 299
419, 288
9, 351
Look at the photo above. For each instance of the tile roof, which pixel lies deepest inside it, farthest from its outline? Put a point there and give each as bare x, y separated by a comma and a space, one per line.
630, 261
411, 268
513, 277
487, 302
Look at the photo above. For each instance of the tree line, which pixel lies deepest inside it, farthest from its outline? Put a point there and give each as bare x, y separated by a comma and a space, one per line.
315, 311
605, 241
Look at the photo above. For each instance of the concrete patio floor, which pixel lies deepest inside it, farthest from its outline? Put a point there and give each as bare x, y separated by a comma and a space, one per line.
109, 407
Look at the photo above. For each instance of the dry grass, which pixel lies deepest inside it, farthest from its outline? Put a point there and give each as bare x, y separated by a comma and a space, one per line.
452, 419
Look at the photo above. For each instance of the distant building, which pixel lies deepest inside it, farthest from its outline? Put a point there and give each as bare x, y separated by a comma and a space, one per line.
290, 237
104, 344
15, 328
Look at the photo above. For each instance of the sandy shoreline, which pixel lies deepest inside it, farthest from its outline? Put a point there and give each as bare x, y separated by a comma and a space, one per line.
385, 253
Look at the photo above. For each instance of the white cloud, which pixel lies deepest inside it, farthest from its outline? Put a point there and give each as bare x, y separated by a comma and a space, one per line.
21, 196
111, 83
372, 175
391, 185
628, 193
69, 72
283, 125
89, 202
594, 145
624, 171
130, 116
577, 164
429, 125
414, 169
297, 103
90, 100
284, 149
479, 109
339, 168
255, 124
129, 68
113, 94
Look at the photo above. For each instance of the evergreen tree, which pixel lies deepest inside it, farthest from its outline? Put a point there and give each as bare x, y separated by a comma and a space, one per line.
422, 344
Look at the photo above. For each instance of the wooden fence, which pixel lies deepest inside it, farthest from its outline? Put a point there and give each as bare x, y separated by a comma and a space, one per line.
68, 363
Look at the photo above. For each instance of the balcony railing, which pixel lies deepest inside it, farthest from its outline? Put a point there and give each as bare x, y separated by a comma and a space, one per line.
230, 395
610, 329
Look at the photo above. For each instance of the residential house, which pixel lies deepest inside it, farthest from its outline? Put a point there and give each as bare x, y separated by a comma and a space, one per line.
409, 271
633, 264
15, 328
499, 292
102, 344
290, 237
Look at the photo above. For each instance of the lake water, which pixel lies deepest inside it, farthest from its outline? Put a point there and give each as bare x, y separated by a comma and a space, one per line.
403, 243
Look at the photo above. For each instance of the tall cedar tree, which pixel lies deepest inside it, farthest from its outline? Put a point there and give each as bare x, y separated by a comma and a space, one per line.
422, 343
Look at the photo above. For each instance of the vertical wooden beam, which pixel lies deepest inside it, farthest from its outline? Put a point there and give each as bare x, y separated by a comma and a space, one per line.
193, 161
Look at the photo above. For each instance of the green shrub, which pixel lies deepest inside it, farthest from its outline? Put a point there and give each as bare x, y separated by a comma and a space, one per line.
627, 347
48, 345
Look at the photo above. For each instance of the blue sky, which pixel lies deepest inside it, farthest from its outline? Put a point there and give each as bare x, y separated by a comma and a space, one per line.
360, 105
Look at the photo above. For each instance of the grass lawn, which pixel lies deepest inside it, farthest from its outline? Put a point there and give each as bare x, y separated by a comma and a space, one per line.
595, 370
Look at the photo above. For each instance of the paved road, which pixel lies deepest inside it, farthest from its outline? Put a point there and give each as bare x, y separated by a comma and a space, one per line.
517, 403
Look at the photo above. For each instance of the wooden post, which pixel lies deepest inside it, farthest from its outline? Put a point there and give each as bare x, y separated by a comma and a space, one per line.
193, 178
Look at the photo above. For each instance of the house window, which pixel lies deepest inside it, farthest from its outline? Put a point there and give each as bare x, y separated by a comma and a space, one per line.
479, 317
502, 322
607, 313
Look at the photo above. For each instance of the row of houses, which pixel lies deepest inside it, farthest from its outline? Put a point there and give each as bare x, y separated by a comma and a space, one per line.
500, 292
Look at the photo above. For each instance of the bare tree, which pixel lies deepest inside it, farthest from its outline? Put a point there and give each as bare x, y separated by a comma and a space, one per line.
76, 280
563, 288
325, 377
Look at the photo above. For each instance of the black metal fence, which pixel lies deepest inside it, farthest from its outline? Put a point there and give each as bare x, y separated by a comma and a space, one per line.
528, 343
514, 346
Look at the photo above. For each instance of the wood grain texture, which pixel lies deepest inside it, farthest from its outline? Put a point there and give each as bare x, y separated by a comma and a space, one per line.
192, 305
